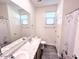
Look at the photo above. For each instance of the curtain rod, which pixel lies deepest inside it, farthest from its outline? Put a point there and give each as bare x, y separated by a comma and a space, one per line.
73, 11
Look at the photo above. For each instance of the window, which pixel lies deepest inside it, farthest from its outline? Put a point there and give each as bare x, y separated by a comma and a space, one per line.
50, 18
24, 19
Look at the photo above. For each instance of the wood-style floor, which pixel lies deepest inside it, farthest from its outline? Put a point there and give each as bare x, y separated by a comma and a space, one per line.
49, 52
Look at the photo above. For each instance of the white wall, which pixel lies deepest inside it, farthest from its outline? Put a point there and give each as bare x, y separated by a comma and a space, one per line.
59, 25
47, 33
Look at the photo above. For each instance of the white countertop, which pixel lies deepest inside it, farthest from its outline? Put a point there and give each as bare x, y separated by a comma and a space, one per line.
27, 51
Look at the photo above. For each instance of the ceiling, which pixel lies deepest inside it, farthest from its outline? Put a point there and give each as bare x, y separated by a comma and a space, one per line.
16, 7
40, 3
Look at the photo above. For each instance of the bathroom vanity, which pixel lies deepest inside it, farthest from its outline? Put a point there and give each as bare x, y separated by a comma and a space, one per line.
24, 50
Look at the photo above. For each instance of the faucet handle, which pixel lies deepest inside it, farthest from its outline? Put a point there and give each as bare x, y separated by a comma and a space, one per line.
12, 57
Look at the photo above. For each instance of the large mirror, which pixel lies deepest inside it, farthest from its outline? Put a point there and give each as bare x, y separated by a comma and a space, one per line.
12, 18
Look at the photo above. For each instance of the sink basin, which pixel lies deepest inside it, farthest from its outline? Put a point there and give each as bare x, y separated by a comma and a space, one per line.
22, 56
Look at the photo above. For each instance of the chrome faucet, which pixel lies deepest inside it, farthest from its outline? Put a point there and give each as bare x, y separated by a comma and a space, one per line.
12, 57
